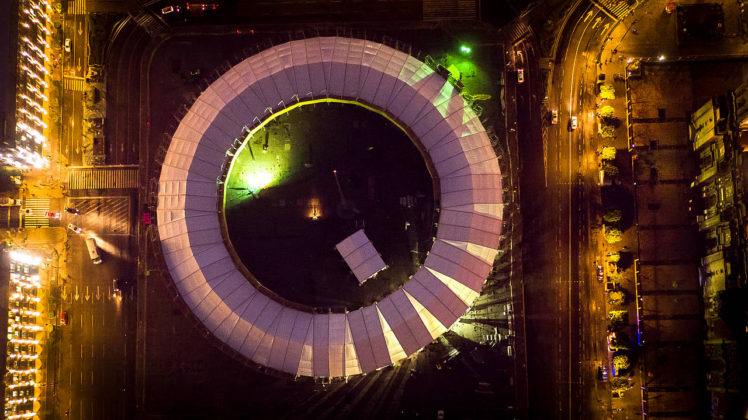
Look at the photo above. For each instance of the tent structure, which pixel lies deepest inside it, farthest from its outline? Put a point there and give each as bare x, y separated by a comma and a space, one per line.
252, 322
361, 256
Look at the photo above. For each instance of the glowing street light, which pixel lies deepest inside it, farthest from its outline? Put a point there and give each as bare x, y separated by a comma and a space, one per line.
465, 49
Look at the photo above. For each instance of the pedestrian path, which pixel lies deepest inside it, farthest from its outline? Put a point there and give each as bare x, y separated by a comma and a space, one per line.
34, 212
76, 84
96, 178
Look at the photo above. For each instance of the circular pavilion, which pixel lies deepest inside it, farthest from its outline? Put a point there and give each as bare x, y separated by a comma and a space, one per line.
253, 321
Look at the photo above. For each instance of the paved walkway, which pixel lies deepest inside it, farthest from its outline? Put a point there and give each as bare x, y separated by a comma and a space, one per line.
649, 34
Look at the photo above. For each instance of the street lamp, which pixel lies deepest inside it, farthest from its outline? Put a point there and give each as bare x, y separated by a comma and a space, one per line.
465, 49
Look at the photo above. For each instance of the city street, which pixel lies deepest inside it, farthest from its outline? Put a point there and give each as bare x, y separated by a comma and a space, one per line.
565, 303
94, 380
74, 70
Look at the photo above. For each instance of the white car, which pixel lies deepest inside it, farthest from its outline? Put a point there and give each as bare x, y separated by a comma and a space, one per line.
554, 116
67, 45
573, 123
169, 9
520, 75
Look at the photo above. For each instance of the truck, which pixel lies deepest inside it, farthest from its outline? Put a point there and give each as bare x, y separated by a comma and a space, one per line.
93, 250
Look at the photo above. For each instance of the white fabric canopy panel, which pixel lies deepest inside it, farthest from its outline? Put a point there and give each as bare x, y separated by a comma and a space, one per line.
361, 256
286, 339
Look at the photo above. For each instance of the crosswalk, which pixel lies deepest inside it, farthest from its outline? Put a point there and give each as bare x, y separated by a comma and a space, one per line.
96, 178
76, 84
77, 7
152, 26
435, 10
516, 30
104, 215
34, 212
617, 9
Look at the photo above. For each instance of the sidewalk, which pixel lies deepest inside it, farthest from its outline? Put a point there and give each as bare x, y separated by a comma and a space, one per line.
649, 35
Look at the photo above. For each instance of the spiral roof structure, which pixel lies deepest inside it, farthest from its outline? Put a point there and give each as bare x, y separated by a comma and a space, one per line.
254, 323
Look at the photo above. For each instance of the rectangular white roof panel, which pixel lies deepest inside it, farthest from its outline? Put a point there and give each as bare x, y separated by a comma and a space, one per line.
361, 341
336, 345
301, 326
375, 334
399, 327
282, 335
429, 300
352, 242
369, 268
321, 356
360, 255
442, 292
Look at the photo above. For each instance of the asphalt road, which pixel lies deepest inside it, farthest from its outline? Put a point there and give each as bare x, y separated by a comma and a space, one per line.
75, 66
123, 95
557, 179
96, 351
571, 156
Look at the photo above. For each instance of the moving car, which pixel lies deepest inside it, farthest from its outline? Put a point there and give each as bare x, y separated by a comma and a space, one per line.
600, 273
169, 9
554, 117
54, 215
67, 45
573, 123
116, 291
75, 229
520, 75
72, 210
63, 318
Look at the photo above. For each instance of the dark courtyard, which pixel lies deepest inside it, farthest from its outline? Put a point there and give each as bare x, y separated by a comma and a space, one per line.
285, 232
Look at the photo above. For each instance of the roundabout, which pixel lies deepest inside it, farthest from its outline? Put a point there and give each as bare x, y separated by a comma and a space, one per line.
274, 331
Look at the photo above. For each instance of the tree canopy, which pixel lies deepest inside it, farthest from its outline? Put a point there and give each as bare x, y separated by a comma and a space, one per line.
606, 111
608, 153
613, 235
613, 216
607, 91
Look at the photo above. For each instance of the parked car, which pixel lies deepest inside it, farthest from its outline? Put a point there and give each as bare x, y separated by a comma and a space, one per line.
573, 123
600, 273
554, 117
611, 337
54, 215
602, 373
63, 318
72, 210
75, 229
520, 75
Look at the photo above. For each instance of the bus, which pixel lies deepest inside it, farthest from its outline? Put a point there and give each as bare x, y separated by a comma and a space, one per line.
93, 250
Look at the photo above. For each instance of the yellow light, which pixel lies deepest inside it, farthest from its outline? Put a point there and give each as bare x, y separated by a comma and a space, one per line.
314, 210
